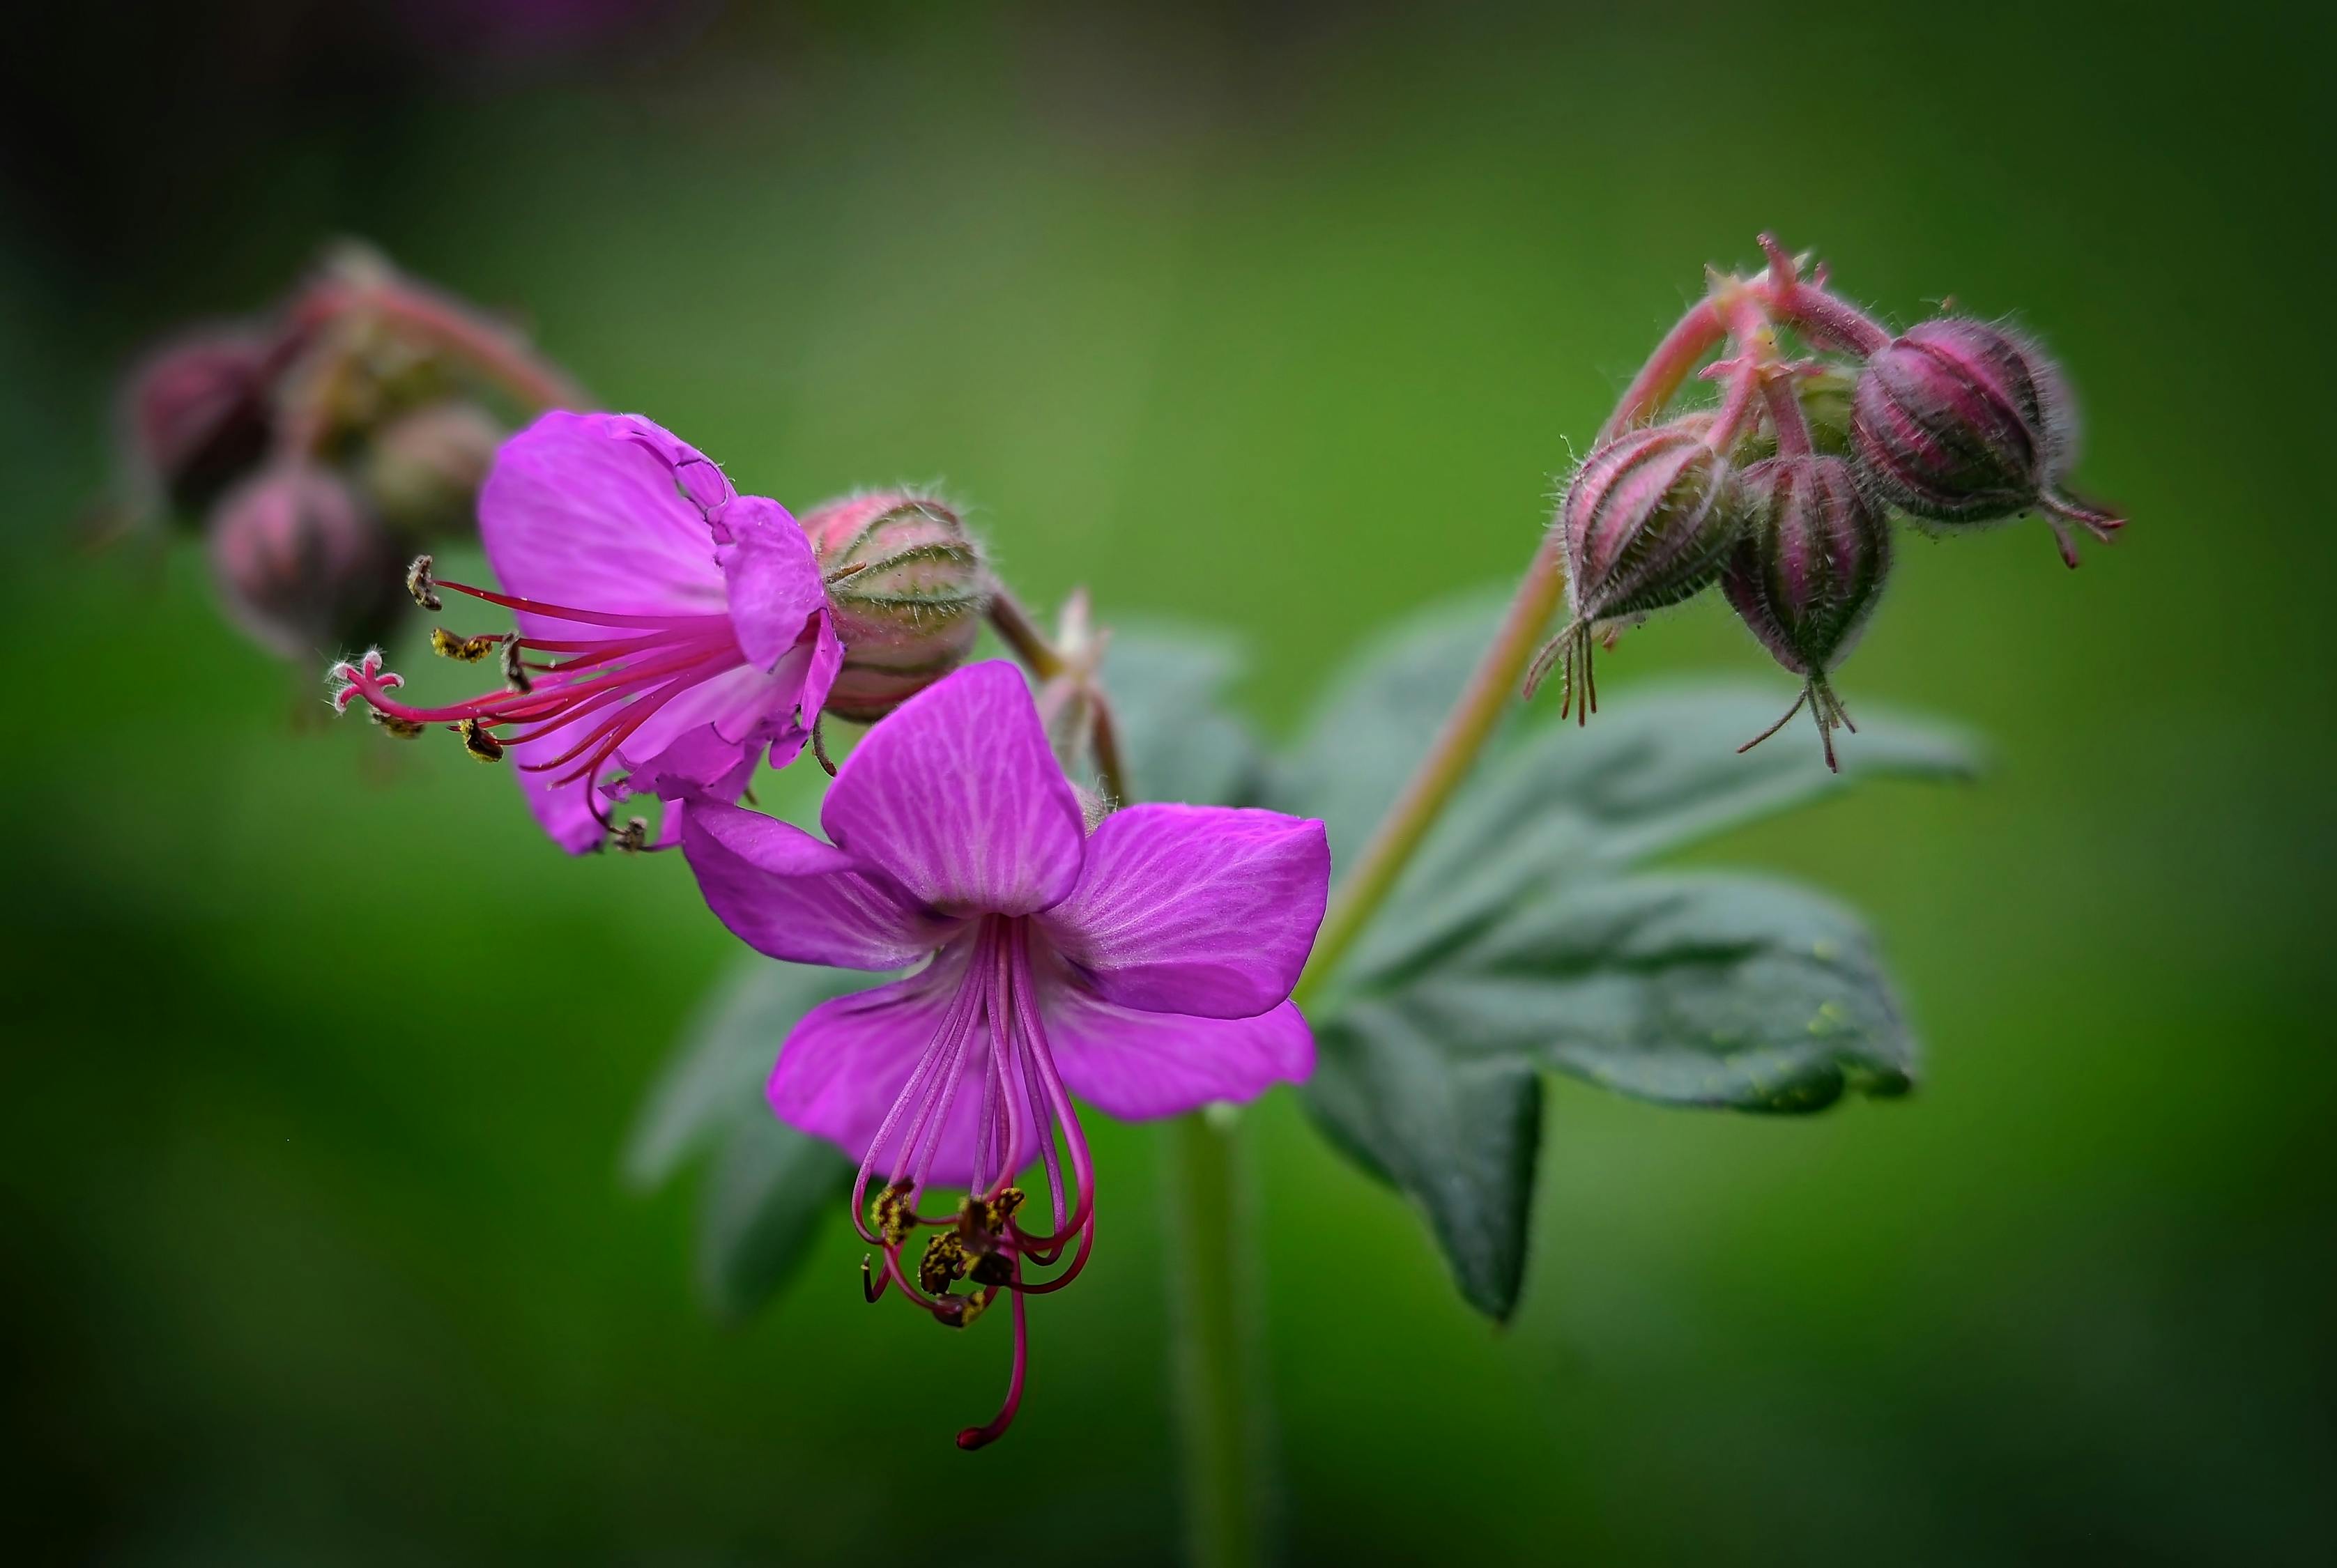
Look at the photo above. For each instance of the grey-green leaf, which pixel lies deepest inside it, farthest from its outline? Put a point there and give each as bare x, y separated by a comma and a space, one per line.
1458, 1136
1658, 770
1179, 741
769, 1188
724, 1055
768, 1191
1689, 990
1378, 718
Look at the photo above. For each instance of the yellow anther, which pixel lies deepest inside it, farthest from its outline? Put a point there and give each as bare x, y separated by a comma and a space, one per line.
468, 649
515, 672
889, 1216
943, 1264
480, 741
403, 728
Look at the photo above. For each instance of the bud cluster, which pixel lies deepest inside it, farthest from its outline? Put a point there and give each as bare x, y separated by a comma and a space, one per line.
1782, 493
319, 446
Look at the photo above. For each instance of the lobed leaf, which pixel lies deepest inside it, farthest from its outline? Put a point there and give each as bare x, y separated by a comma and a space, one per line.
1458, 1136
1361, 745
1711, 990
767, 1192
767, 1185
1178, 741
1657, 772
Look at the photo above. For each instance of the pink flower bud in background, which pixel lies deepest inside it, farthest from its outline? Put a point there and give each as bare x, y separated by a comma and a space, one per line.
1806, 572
196, 415
422, 471
1643, 530
1959, 422
907, 589
300, 563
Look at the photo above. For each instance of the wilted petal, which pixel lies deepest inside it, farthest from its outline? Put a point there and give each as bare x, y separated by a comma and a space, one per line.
772, 579
1206, 909
958, 796
580, 511
1137, 1065
698, 762
786, 893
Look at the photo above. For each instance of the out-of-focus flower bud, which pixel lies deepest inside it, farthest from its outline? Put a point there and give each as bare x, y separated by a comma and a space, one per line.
1806, 572
422, 471
300, 563
1959, 422
907, 589
1643, 529
196, 415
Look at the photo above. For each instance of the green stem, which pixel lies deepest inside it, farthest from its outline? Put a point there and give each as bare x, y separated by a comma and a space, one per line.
1217, 1393
1442, 768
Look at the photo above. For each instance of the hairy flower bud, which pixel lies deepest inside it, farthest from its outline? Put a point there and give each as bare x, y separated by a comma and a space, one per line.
907, 589
1806, 572
196, 416
299, 561
422, 471
1959, 422
1642, 530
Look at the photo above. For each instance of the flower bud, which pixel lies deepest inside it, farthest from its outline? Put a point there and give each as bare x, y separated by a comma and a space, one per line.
907, 589
422, 471
300, 563
196, 417
1806, 572
1959, 422
1642, 530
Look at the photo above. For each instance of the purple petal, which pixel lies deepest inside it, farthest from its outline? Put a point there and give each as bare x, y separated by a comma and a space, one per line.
699, 479
786, 893
1206, 909
564, 810
698, 762
846, 1063
958, 796
581, 511
1137, 1065
772, 579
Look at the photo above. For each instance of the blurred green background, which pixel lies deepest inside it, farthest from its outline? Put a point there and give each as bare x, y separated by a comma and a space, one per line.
320, 1059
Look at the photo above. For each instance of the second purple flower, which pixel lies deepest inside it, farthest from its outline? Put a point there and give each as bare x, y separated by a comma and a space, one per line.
1146, 966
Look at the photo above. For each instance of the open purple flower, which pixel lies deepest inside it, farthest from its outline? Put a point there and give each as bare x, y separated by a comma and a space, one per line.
1146, 967
688, 626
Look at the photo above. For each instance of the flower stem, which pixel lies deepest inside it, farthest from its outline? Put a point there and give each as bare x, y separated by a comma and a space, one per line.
1218, 1396
1442, 766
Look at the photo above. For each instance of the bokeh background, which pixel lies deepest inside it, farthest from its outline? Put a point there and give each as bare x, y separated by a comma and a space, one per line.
313, 1247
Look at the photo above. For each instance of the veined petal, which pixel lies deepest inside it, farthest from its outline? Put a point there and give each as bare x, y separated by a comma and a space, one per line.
772, 579
581, 509
1137, 1065
844, 1065
1205, 909
958, 796
786, 893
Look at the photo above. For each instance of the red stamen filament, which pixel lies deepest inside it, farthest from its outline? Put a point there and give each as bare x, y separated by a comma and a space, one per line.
992, 1021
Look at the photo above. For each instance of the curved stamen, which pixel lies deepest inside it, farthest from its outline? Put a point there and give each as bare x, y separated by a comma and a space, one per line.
974, 1437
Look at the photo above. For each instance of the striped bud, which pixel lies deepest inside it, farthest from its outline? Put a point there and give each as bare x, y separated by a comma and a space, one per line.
301, 564
1805, 574
907, 589
1959, 423
422, 471
1642, 529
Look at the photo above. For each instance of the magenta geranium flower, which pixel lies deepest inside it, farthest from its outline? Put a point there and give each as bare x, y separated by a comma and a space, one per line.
1145, 966
686, 626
